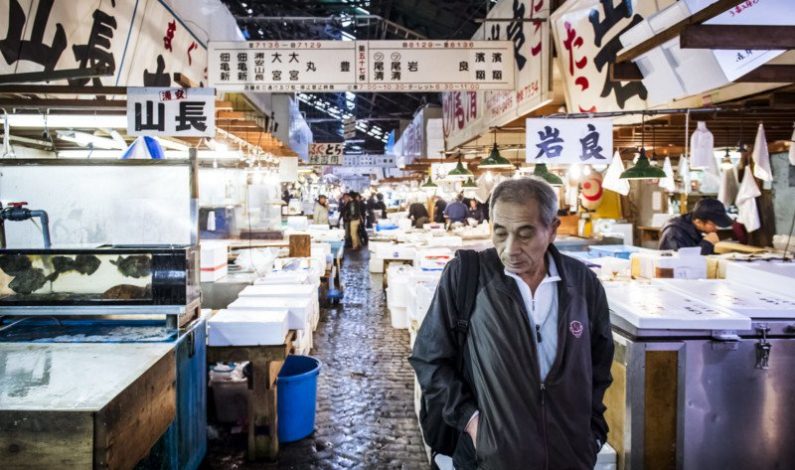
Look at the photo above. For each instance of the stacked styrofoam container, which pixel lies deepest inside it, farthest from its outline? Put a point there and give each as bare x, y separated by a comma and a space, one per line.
298, 291
214, 260
247, 328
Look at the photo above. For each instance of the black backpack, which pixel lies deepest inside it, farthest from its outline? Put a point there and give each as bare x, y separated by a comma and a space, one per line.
441, 437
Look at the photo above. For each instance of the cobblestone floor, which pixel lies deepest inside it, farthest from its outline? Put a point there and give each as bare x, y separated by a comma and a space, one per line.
365, 414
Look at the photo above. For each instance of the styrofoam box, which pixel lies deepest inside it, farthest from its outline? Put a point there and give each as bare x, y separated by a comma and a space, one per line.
647, 306
213, 261
298, 222
297, 290
396, 251
399, 316
376, 265
321, 249
284, 277
247, 328
300, 309
740, 298
773, 276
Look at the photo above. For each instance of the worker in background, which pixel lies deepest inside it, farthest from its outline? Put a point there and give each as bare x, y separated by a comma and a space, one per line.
475, 211
320, 212
698, 228
456, 211
418, 214
380, 207
352, 215
439, 205
369, 207
518, 381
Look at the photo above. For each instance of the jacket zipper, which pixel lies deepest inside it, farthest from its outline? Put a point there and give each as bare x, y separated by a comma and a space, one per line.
544, 425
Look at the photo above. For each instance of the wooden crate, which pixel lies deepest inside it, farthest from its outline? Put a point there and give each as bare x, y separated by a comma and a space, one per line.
84, 405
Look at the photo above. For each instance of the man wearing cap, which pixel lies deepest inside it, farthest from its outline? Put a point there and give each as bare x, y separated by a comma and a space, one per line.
698, 228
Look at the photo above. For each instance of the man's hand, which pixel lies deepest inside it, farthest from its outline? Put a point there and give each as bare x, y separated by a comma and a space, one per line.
472, 429
712, 237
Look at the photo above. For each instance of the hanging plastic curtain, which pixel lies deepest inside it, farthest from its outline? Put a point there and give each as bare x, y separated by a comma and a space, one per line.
761, 156
612, 180
746, 202
729, 186
792, 148
701, 147
668, 182
684, 173
7, 151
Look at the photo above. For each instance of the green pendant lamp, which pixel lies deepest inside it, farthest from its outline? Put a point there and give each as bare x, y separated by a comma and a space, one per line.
541, 171
495, 161
429, 184
460, 172
643, 170
469, 184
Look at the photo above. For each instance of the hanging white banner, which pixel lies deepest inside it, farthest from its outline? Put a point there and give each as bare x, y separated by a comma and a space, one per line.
566, 141
172, 112
587, 40
379, 66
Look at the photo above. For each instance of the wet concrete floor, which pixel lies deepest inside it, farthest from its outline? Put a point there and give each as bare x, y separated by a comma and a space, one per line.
365, 410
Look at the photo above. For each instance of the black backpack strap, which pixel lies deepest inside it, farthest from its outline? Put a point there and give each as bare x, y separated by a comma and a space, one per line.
468, 284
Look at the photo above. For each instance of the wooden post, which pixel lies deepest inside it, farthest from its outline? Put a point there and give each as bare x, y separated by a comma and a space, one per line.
300, 246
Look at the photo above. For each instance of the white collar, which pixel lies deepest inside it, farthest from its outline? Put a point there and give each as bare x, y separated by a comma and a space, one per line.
552, 272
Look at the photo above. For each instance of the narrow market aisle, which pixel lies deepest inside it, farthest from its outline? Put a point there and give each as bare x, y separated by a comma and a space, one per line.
365, 414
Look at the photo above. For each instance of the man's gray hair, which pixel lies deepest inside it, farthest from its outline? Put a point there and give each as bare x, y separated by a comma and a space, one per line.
521, 190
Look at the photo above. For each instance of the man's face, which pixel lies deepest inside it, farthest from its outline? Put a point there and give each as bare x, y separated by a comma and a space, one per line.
322, 201
705, 226
520, 236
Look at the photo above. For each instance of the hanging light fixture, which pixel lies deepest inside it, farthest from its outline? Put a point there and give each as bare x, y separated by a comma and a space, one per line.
469, 184
429, 184
541, 171
643, 169
460, 172
495, 161
726, 161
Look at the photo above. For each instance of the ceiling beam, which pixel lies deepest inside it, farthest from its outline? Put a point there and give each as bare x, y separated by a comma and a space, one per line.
770, 74
740, 37
626, 72
665, 35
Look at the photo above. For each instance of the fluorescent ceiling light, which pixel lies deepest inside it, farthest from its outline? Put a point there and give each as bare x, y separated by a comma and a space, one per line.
174, 145
111, 154
68, 121
85, 139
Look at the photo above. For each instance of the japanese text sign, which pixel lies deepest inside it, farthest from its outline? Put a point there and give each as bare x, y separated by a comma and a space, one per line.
382, 66
587, 37
137, 42
177, 112
567, 141
326, 153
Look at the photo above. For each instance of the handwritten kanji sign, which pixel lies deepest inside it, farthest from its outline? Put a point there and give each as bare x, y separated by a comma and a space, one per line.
176, 112
567, 141
383, 66
326, 153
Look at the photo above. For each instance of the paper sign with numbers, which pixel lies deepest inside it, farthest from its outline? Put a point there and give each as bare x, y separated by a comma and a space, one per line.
567, 141
383, 66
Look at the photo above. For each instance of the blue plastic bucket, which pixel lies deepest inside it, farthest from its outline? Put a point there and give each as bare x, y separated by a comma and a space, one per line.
297, 397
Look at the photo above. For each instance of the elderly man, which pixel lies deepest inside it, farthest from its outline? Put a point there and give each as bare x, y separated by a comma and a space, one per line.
522, 387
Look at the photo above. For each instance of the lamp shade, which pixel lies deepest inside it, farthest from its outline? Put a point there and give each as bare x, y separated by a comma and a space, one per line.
470, 183
495, 160
541, 171
643, 169
429, 184
460, 172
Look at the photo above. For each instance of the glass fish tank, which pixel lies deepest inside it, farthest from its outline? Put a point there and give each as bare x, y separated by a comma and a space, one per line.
102, 276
